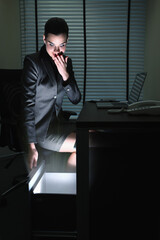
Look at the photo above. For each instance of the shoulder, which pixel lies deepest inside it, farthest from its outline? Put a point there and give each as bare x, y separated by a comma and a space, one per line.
33, 62
34, 58
32, 65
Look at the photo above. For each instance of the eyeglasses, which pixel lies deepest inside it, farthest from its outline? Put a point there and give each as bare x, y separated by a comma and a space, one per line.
53, 46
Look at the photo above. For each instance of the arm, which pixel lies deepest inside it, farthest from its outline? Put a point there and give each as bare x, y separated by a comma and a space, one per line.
32, 155
64, 67
30, 76
71, 86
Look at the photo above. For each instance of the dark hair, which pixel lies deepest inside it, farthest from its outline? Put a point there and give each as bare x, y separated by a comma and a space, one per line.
56, 26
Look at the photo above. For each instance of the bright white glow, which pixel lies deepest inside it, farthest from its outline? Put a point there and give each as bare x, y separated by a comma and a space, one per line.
57, 183
35, 177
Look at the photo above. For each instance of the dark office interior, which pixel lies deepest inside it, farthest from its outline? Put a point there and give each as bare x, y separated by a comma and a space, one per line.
113, 191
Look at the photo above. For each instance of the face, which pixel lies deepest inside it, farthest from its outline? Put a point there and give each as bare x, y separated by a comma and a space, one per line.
55, 44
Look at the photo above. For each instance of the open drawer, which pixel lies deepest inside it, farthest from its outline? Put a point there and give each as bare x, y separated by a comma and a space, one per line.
53, 204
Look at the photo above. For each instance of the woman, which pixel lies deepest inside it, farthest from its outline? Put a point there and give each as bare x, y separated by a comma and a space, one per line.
47, 77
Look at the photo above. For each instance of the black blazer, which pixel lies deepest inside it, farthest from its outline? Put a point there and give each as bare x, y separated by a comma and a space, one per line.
43, 92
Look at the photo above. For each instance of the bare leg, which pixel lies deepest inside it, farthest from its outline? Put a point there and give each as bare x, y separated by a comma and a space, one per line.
69, 143
69, 146
72, 159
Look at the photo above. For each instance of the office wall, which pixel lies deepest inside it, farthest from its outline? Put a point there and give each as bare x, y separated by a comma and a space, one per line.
152, 51
10, 51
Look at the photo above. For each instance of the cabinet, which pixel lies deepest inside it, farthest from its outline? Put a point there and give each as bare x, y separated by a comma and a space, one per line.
117, 175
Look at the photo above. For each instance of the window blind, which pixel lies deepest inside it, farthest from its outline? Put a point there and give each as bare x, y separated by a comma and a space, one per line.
137, 39
106, 30
28, 29
106, 41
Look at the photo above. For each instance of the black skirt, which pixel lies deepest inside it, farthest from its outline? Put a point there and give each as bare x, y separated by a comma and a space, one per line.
57, 132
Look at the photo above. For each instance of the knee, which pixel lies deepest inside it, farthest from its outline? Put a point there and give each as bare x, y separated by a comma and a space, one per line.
72, 159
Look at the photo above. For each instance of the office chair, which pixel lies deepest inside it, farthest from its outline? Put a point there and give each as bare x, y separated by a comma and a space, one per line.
137, 87
10, 110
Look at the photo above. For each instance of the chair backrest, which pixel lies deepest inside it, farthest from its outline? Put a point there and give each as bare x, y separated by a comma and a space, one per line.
137, 87
10, 108
10, 93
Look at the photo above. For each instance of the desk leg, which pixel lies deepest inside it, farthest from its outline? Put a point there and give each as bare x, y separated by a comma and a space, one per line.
83, 184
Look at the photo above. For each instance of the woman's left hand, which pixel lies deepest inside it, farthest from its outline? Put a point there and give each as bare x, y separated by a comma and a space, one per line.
61, 64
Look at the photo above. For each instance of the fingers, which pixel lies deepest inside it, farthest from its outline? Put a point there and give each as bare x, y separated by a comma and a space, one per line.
61, 64
33, 163
32, 159
60, 60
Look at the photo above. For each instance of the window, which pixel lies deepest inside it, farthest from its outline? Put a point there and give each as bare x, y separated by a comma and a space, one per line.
102, 71
106, 31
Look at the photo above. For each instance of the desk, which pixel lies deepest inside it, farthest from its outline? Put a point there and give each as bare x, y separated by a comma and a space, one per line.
142, 131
